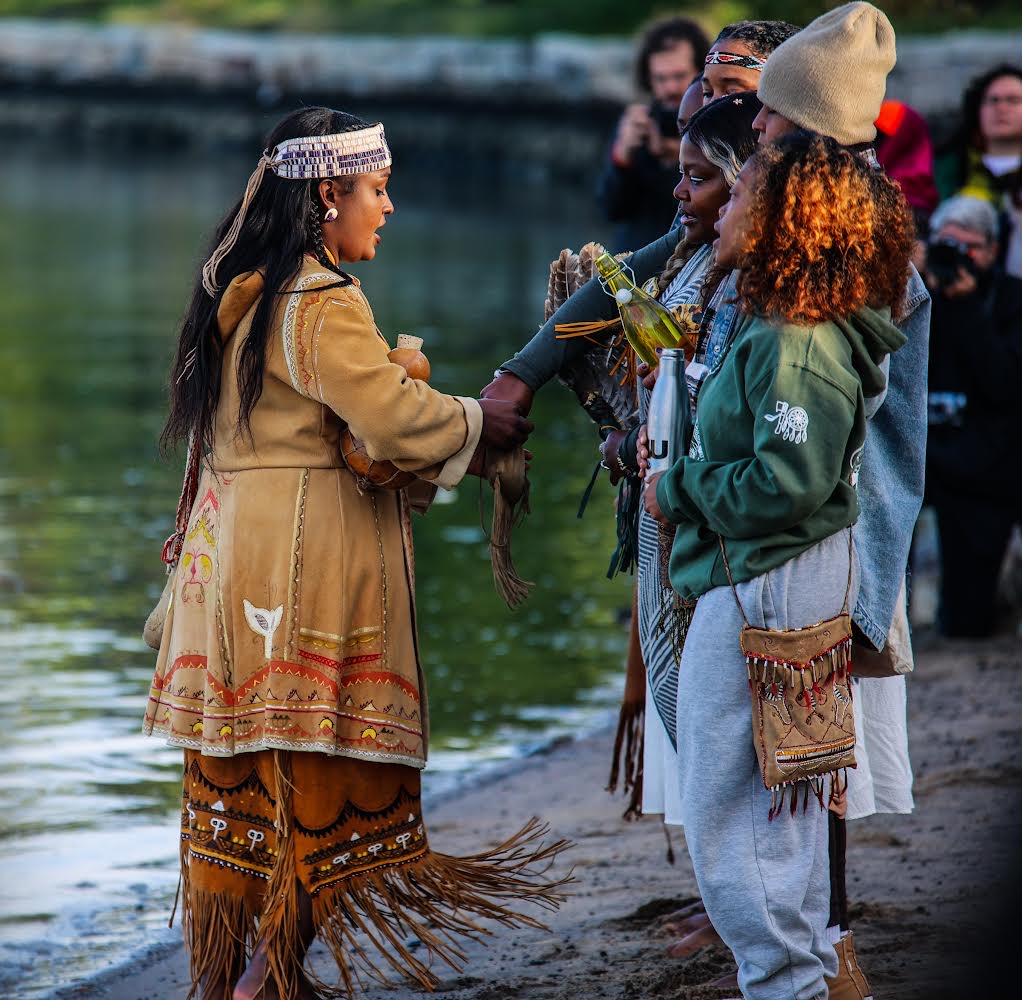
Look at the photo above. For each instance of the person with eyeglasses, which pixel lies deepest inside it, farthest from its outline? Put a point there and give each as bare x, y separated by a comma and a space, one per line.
984, 158
973, 479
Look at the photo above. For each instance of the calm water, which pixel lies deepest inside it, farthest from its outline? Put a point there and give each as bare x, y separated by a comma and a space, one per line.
94, 267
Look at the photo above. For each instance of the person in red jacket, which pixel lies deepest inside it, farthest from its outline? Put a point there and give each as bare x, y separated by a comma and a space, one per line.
905, 151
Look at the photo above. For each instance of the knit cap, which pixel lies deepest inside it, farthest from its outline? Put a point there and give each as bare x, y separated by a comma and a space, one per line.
832, 76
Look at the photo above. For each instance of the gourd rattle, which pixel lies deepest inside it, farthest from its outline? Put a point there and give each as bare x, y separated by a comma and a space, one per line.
370, 472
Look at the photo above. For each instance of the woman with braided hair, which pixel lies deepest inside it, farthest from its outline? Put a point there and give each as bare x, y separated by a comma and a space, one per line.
288, 669
732, 67
716, 142
738, 54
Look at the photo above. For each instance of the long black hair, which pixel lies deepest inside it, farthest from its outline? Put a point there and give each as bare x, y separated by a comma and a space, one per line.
282, 224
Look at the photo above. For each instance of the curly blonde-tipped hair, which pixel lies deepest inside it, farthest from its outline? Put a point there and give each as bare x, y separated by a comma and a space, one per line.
827, 234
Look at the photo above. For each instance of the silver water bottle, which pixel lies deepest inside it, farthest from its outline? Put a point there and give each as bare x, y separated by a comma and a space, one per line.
667, 423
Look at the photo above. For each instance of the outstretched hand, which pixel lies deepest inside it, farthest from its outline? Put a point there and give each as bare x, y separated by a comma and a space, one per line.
504, 426
511, 389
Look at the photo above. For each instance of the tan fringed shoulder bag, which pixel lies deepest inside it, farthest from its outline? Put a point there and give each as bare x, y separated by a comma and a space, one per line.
803, 724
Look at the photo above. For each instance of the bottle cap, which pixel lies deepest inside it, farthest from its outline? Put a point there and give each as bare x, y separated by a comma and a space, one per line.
407, 340
623, 296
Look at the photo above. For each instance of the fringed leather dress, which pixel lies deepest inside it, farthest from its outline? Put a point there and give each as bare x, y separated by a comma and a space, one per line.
289, 671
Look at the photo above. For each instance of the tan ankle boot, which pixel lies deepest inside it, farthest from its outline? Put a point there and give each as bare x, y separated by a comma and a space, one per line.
850, 983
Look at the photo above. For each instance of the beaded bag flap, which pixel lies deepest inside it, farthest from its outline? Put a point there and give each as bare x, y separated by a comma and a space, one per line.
802, 719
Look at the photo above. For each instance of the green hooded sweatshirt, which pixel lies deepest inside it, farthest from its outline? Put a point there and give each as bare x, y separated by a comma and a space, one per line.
780, 429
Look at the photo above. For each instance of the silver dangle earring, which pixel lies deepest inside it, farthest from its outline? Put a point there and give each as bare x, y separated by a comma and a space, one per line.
331, 214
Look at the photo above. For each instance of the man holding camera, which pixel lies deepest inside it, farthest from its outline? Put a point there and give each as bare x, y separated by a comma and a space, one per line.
975, 433
637, 185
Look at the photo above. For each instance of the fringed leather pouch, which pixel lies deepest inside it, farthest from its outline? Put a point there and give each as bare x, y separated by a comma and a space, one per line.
803, 724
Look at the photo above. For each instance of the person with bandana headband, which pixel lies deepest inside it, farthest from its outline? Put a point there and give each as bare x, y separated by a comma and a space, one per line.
539, 361
734, 63
821, 86
288, 670
738, 54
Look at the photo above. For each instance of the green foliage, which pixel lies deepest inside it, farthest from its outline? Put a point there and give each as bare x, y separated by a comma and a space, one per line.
497, 17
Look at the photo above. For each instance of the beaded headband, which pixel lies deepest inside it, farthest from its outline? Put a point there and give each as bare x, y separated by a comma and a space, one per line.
305, 158
734, 59
359, 152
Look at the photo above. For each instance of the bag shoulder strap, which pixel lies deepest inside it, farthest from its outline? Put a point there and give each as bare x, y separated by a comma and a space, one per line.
734, 590
731, 580
851, 562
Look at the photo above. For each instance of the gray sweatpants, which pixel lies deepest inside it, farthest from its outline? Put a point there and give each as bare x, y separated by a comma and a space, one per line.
765, 884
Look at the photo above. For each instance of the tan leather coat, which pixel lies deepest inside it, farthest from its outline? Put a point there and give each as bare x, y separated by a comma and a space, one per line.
292, 622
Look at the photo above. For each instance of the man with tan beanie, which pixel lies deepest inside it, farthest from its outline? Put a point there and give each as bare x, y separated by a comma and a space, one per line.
831, 78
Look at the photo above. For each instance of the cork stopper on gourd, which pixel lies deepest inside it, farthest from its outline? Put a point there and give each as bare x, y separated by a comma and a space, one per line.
408, 354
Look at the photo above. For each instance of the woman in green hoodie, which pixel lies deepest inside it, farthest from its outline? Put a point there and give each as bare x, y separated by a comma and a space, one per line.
821, 241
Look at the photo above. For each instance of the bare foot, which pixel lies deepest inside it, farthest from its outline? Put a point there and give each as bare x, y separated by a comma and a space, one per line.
682, 928
682, 913
728, 982
693, 942
219, 987
253, 984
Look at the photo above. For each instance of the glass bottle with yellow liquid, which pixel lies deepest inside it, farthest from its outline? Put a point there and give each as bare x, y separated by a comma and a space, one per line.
647, 323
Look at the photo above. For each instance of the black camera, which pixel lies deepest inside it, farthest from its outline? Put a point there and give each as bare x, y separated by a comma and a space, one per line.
945, 409
945, 258
665, 119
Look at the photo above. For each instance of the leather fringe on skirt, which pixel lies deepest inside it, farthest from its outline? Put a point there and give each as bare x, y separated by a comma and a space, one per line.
256, 826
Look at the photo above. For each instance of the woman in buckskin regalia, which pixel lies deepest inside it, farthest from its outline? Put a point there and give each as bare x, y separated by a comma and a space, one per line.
288, 669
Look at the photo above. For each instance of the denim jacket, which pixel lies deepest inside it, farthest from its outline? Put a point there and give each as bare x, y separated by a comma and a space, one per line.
892, 474
891, 478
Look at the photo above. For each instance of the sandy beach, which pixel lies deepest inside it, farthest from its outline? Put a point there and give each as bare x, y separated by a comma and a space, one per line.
927, 890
